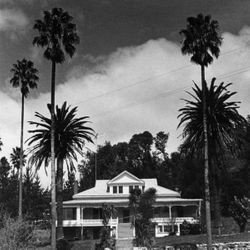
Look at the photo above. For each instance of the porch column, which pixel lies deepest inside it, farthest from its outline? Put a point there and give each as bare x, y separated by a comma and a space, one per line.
178, 230
78, 214
199, 210
170, 211
81, 232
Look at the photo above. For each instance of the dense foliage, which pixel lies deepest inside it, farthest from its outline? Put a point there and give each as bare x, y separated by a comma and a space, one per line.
35, 198
141, 205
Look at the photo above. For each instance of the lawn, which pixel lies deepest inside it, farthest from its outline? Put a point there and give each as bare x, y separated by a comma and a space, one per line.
171, 240
199, 239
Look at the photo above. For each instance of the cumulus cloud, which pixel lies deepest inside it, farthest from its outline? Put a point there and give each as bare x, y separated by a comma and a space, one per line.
12, 20
135, 89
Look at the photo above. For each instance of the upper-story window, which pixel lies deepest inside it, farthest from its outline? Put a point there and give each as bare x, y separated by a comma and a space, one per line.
114, 189
120, 189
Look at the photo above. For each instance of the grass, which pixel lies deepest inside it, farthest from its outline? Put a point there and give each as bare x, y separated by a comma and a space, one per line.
159, 242
200, 239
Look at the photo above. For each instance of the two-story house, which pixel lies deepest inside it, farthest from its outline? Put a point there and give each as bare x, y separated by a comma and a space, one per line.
82, 215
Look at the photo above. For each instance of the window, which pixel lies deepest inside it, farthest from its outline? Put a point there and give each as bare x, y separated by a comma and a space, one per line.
130, 189
114, 189
167, 229
136, 187
69, 213
143, 188
160, 229
120, 189
108, 189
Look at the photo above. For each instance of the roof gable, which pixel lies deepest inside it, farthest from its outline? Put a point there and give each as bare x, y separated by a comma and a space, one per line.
125, 177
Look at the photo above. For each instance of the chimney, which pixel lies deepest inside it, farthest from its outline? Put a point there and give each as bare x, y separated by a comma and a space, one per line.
75, 187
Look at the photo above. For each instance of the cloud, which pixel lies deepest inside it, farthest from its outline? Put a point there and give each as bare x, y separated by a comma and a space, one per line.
134, 89
12, 20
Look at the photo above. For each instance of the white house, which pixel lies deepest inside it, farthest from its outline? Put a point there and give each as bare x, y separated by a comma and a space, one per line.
82, 215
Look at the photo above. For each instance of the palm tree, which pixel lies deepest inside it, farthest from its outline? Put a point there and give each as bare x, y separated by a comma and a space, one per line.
15, 159
25, 77
70, 136
202, 41
222, 122
58, 35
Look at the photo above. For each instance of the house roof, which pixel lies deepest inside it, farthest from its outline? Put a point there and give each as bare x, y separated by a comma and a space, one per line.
99, 195
100, 190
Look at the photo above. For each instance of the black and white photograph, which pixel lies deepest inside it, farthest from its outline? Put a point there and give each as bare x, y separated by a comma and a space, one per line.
124, 124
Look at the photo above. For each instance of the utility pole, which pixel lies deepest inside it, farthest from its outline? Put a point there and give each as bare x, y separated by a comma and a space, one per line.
96, 136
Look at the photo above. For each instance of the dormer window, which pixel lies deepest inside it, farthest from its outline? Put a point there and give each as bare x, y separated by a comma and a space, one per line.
114, 189
120, 189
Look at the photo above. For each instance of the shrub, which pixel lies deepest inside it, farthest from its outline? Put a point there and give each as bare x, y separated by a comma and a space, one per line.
63, 244
15, 233
188, 228
185, 228
239, 209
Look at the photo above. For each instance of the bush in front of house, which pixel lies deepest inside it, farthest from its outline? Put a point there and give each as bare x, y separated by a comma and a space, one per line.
63, 244
188, 228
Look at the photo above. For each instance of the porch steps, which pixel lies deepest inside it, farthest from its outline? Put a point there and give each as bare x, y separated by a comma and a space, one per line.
124, 244
125, 231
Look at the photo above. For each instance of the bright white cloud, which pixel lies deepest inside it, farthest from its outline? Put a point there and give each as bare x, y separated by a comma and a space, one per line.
136, 89
12, 20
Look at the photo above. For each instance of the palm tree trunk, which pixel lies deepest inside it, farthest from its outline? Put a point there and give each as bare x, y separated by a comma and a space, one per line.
59, 199
215, 194
206, 162
53, 189
21, 164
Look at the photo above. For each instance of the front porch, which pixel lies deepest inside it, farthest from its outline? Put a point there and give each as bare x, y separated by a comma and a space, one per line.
167, 218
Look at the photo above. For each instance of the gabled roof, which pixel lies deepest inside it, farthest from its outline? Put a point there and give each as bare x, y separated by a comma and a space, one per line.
126, 178
100, 192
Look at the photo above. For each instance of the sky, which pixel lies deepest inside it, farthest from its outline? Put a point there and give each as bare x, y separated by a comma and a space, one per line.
128, 74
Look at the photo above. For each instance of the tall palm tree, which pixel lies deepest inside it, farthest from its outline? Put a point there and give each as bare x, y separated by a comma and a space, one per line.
222, 122
202, 41
70, 136
25, 77
58, 35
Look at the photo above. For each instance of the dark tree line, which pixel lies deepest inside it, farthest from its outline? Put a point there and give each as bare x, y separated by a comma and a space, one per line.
35, 198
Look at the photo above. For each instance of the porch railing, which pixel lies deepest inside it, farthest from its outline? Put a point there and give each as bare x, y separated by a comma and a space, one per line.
88, 222
175, 220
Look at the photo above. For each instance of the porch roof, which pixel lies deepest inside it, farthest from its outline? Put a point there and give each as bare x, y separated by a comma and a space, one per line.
120, 201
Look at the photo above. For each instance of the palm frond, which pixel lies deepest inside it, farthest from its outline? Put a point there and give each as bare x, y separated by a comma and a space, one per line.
222, 118
71, 133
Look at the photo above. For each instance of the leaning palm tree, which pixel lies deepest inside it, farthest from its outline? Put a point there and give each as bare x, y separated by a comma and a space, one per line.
202, 41
70, 136
222, 122
25, 77
58, 35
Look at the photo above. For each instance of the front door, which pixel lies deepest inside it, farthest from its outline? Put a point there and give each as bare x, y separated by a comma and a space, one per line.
125, 215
